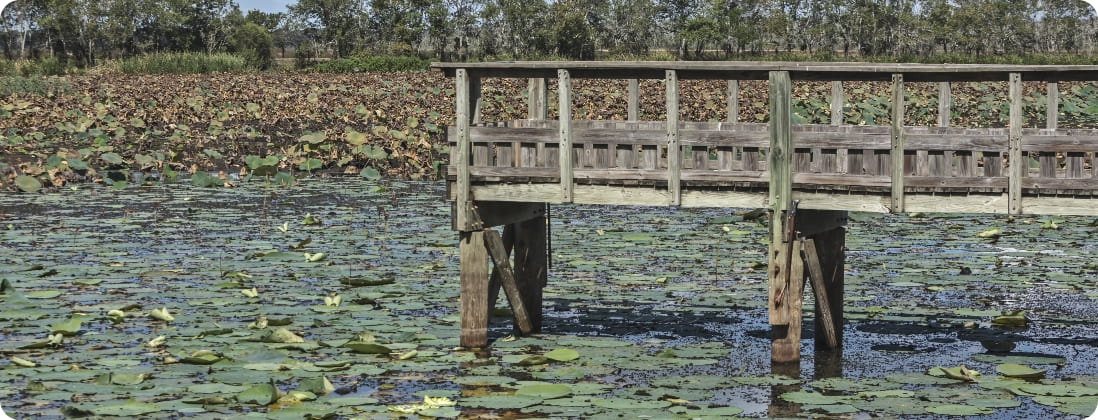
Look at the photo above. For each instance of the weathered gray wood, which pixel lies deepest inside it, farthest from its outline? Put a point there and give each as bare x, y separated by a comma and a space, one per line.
897, 153
674, 150
733, 101
780, 197
564, 93
830, 247
1017, 166
819, 287
537, 102
945, 104
531, 265
743, 70
634, 100
474, 289
787, 347
837, 102
1052, 110
501, 258
993, 164
460, 154
495, 280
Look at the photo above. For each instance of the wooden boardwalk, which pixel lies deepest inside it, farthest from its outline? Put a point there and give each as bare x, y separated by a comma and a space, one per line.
505, 173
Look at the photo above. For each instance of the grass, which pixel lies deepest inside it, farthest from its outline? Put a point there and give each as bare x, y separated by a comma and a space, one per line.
184, 63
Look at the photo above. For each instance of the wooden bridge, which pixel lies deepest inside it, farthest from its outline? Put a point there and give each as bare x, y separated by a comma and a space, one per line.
506, 173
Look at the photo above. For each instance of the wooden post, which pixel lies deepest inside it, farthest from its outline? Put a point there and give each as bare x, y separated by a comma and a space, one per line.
460, 154
1018, 168
498, 252
531, 265
495, 281
897, 153
1053, 111
785, 344
825, 261
474, 289
945, 104
780, 298
634, 100
538, 101
674, 151
837, 102
566, 156
733, 101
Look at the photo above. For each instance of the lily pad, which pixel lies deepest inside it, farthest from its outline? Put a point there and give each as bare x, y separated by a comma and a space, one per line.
1019, 371
562, 355
130, 408
260, 394
544, 391
28, 184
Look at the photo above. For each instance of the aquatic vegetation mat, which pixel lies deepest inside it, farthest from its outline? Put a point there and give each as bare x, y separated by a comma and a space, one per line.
338, 298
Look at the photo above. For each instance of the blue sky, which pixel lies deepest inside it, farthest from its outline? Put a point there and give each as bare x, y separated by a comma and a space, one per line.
264, 5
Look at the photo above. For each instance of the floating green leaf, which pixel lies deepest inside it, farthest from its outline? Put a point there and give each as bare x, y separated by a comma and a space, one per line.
28, 184
562, 355
1019, 371
544, 391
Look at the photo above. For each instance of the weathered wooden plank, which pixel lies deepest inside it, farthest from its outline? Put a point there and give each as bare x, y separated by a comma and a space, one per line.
802, 160
474, 289
897, 153
537, 101
531, 265
780, 195
505, 155
674, 150
785, 345
460, 155
1052, 106
1017, 166
733, 101
993, 164
820, 287
945, 104
633, 105
528, 155
500, 257
837, 103
966, 163
1048, 164
1075, 162
564, 94
722, 70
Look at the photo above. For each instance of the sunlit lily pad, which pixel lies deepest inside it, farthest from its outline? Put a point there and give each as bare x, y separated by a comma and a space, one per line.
130, 408
1019, 371
500, 402
259, 394
562, 355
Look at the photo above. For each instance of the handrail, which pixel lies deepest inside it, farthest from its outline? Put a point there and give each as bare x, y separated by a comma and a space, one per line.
783, 164
742, 70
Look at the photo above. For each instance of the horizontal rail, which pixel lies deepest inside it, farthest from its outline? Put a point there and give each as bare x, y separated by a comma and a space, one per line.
741, 70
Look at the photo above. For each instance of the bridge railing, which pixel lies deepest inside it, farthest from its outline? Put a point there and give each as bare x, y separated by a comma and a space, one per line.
896, 161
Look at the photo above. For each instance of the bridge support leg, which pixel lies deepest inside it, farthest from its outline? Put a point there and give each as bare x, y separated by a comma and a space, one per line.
525, 232
819, 258
474, 289
531, 265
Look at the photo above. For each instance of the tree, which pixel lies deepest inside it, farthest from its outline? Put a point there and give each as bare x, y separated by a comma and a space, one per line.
336, 21
253, 43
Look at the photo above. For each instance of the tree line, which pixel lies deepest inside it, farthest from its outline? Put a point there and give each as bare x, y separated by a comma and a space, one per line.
81, 32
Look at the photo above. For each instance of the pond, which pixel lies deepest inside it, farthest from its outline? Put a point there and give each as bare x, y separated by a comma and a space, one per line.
171, 301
